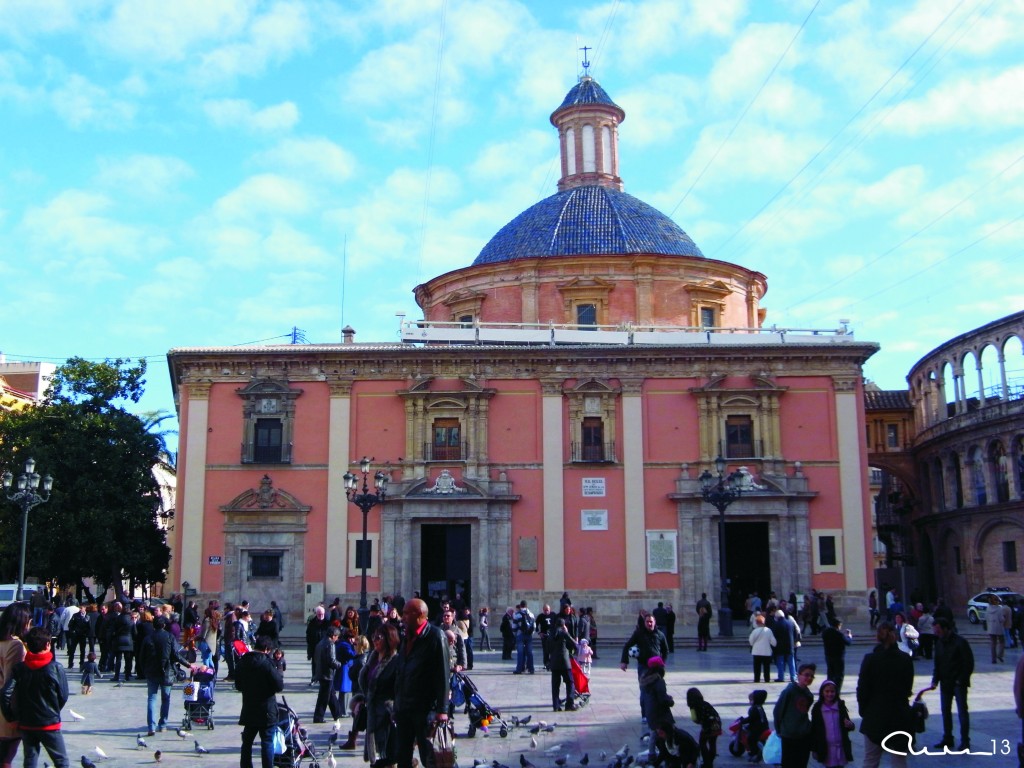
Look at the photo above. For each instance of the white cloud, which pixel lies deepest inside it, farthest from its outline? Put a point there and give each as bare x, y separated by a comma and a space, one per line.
894, 191
737, 75
313, 157
978, 102
160, 32
83, 104
264, 195
241, 113
508, 159
271, 38
80, 234
147, 176
22, 20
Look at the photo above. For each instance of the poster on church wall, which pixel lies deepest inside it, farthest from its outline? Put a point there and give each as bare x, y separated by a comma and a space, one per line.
661, 552
593, 486
593, 519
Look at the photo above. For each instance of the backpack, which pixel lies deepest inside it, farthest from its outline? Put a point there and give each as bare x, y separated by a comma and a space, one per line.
527, 623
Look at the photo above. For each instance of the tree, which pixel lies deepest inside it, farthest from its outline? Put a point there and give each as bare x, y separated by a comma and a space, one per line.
101, 519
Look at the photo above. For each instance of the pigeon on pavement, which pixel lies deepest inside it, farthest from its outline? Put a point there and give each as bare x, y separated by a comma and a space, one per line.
87, 763
140, 742
74, 715
200, 749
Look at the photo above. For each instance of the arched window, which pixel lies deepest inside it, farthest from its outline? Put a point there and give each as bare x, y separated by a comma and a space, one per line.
977, 465
589, 150
1018, 456
999, 464
958, 481
606, 149
570, 152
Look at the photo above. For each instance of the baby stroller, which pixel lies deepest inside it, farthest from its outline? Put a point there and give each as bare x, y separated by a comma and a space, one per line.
298, 745
481, 714
580, 682
198, 699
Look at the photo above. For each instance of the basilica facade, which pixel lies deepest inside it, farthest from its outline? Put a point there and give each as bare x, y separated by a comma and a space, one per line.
543, 425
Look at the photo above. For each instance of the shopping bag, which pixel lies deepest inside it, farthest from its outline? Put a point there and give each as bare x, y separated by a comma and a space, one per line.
772, 751
279, 743
442, 739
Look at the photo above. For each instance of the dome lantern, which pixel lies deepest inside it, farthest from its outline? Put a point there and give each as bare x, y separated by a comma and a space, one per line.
588, 136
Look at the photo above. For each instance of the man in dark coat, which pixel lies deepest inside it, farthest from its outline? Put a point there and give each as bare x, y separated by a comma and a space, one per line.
122, 634
649, 642
159, 663
258, 680
954, 665
421, 687
884, 686
834, 640
325, 664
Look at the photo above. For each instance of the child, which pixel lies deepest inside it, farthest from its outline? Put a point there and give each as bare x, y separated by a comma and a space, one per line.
89, 671
585, 655
42, 686
673, 747
830, 716
278, 659
756, 724
706, 716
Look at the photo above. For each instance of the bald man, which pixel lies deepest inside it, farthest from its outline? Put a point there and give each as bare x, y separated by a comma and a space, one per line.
421, 689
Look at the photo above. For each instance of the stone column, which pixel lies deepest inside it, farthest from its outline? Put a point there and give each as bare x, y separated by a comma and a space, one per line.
554, 497
192, 478
335, 548
851, 483
633, 481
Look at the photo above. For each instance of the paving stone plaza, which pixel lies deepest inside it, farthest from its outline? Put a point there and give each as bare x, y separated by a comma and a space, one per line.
113, 716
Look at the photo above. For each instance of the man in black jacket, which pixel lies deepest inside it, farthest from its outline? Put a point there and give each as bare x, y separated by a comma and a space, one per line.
421, 687
78, 633
42, 691
954, 665
649, 641
122, 641
884, 686
158, 661
258, 680
325, 664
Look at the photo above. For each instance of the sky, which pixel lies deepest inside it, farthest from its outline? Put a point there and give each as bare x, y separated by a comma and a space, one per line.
222, 172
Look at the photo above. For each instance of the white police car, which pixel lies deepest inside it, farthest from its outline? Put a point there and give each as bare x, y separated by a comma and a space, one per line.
978, 605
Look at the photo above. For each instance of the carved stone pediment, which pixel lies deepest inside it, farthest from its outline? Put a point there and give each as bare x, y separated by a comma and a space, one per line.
265, 506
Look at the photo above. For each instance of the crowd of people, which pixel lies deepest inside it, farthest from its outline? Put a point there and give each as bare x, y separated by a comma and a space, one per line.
392, 671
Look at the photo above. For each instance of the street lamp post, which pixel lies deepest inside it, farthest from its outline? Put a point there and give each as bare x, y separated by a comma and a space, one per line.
366, 501
26, 495
720, 495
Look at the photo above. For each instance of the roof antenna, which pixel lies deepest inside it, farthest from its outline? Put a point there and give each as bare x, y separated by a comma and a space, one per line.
585, 62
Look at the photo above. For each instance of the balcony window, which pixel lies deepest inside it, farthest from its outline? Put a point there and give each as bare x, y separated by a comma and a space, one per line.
892, 435
586, 314
739, 437
447, 442
268, 441
593, 439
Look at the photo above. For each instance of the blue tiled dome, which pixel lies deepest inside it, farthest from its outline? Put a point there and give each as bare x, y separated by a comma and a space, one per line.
586, 91
588, 220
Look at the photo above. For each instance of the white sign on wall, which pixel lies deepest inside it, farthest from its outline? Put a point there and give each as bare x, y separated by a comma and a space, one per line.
594, 520
661, 552
593, 486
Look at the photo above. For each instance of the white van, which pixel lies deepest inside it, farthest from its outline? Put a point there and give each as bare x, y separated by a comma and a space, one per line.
8, 592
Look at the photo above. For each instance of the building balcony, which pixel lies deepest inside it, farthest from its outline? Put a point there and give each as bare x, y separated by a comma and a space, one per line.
600, 453
457, 452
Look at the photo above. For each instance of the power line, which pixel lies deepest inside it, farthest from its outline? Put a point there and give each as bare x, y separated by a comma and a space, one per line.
862, 135
907, 239
933, 265
746, 109
836, 135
